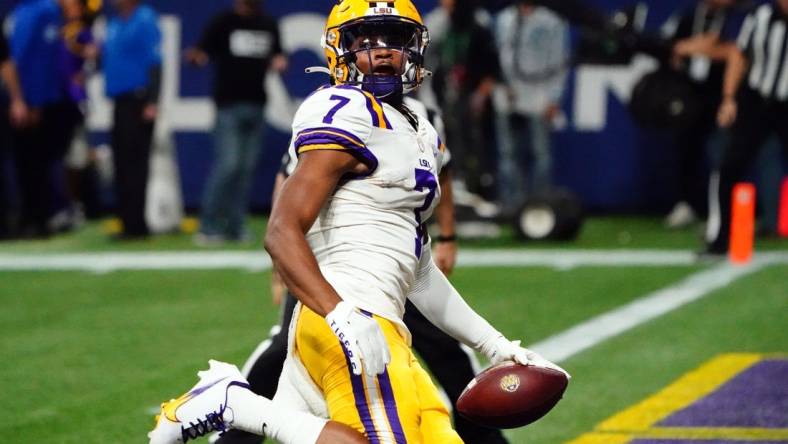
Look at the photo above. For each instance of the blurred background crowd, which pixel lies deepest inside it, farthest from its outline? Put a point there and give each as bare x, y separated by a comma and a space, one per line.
607, 105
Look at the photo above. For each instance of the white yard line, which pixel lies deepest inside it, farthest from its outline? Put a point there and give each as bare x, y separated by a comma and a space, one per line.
567, 259
259, 260
107, 262
583, 336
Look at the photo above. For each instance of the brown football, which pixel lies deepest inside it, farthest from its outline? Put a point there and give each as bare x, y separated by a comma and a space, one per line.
511, 395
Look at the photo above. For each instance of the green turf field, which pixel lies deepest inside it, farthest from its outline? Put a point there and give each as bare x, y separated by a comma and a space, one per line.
86, 356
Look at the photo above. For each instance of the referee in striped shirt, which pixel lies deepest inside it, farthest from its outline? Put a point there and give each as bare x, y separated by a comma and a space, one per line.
759, 63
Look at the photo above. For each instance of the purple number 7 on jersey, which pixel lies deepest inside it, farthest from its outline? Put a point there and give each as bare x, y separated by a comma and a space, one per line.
329, 118
424, 179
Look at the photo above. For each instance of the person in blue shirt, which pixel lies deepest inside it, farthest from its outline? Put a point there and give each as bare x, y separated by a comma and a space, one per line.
9, 77
41, 142
131, 61
34, 42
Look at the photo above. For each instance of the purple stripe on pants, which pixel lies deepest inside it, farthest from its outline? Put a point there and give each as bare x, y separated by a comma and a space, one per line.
361, 402
391, 407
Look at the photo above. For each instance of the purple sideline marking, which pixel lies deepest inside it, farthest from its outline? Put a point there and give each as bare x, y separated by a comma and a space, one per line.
699, 441
757, 397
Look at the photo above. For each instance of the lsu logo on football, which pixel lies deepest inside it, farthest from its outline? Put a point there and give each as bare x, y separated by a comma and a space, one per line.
510, 383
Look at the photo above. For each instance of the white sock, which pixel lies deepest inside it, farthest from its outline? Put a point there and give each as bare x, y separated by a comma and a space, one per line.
261, 416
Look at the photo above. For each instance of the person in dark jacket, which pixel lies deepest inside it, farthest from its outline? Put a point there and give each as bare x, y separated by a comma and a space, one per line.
243, 43
466, 67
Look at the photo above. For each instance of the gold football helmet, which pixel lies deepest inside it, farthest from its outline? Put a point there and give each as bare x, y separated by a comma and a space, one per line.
355, 28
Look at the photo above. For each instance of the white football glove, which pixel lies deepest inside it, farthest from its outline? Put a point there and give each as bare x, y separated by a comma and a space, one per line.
501, 349
362, 337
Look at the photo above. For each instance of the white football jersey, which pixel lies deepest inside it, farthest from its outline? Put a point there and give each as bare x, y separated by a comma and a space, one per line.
369, 236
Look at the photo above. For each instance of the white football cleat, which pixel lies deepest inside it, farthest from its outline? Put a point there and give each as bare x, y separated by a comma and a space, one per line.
200, 411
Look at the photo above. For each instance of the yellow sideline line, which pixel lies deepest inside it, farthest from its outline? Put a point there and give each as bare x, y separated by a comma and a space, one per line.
709, 433
639, 419
686, 390
686, 433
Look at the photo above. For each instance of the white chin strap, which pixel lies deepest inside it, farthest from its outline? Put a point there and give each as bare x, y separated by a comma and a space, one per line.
317, 69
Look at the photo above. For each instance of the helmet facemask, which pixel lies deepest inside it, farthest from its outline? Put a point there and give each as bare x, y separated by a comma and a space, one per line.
385, 56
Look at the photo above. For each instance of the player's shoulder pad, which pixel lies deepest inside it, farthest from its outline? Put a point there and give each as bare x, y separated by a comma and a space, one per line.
343, 105
337, 118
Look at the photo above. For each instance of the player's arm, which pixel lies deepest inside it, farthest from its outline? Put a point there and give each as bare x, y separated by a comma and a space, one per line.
735, 68
18, 110
440, 302
706, 45
445, 254
208, 46
18, 107
737, 64
278, 289
295, 210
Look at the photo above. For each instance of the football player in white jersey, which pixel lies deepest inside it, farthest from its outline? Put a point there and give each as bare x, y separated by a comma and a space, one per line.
347, 235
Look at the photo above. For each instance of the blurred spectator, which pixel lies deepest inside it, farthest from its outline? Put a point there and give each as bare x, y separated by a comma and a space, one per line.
42, 139
243, 43
697, 34
466, 70
76, 43
15, 111
755, 112
534, 50
438, 20
132, 69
